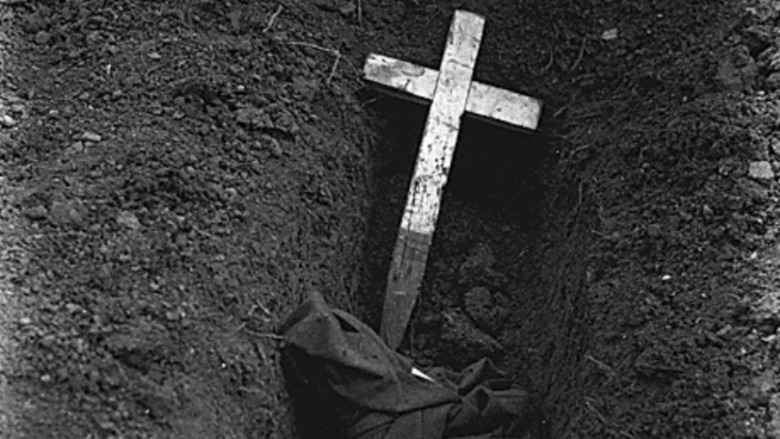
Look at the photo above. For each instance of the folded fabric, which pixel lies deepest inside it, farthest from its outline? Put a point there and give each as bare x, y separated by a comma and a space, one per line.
361, 388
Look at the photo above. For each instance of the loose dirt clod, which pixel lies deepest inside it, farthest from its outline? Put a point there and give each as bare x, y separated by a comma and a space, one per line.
140, 343
488, 313
128, 219
8, 121
761, 170
67, 212
89, 136
37, 213
462, 343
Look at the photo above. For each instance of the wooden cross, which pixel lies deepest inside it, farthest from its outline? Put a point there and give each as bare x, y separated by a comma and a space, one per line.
451, 93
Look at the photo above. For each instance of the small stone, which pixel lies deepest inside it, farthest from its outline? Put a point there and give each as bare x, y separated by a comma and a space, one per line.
33, 23
107, 426
773, 81
252, 117
772, 60
155, 56
17, 108
244, 46
488, 314
348, 9
75, 148
761, 170
42, 38
610, 34
129, 220
67, 212
72, 308
462, 343
93, 38
724, 331
36, 213
25, 321
90, 136
765, 382
46, 378
707, 212
767, 309
737, 70
8, 121
326, 5
776, 146
140, 343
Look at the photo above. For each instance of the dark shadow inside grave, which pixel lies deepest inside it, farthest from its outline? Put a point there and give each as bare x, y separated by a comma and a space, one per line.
481, 253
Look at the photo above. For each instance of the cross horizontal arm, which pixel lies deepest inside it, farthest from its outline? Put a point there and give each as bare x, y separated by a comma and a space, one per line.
490, 103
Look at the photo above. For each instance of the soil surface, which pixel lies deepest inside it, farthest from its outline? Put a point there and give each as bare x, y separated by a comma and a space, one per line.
178, 175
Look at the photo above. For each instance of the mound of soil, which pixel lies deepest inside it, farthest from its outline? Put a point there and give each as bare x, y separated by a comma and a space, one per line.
184, 173
178, 175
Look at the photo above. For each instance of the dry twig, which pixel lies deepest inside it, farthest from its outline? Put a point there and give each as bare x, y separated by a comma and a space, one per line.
264, 334
262, 307
333, 69
334, 52
603, 366
550, 62
251, 389
581, 54
272, 19
589, 405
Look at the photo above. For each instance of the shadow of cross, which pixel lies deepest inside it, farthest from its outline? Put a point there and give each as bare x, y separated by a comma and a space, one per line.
451, 93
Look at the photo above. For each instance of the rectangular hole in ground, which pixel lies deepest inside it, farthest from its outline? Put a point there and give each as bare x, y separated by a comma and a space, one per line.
484, 293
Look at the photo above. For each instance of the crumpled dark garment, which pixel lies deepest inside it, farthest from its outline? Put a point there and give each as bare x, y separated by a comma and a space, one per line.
353, 382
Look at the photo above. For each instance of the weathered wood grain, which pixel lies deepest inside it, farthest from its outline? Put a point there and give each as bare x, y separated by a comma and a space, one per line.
492, 104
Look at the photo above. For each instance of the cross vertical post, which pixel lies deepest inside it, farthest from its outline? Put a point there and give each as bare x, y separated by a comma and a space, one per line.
430, 174
452, 93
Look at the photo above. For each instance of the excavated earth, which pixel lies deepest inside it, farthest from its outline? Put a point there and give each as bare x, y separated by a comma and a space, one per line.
177, 176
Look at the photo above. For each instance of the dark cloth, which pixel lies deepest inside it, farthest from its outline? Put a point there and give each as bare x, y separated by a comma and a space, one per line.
369, 391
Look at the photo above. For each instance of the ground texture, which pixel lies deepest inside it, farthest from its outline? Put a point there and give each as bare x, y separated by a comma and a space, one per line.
175, 176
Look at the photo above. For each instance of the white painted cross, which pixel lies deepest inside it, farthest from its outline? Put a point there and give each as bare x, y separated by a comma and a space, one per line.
451, 92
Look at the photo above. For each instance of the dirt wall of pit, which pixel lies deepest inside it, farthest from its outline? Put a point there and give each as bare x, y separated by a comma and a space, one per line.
512, 210
185, 173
